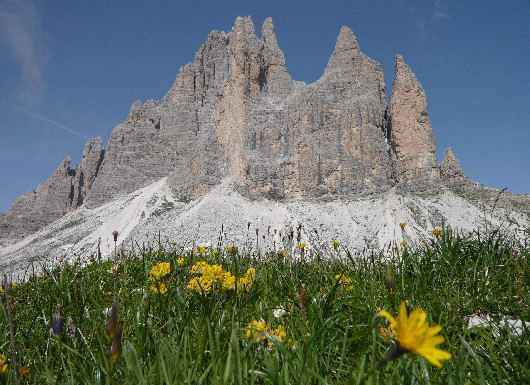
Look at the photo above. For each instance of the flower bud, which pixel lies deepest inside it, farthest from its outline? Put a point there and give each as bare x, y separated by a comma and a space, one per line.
390, 283
115, 349
111, 324
57, 321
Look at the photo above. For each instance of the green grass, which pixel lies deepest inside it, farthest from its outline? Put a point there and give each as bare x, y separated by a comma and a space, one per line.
182, 337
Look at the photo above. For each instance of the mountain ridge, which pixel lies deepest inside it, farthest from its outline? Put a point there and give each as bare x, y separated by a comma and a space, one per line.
234, 112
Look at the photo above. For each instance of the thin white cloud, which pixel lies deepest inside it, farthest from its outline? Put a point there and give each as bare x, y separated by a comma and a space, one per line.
440, 10
48, 120
425, 19
20, 31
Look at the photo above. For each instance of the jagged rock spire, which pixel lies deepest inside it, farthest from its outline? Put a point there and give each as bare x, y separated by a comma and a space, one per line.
244, 25
411, 134
268, 36
450, 170
345, 48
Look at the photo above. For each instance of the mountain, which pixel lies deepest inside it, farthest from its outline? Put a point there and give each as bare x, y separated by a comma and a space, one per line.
234, 117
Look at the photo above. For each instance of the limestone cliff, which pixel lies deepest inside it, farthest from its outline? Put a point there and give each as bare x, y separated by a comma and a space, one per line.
235, 112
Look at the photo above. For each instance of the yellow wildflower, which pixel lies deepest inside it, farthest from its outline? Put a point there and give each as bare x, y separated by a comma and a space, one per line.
335, 244
228, 282
231, 249
284, 254
250, 274
403, 243
246, 281
3, 363
161, 285
302, 246
159, 271
181, 261
200, 285
201, 249
414, 334
402, 225
199, 267
278, 334
345, 281
213, 253
214, 273
437, 232
256, 330
244, 284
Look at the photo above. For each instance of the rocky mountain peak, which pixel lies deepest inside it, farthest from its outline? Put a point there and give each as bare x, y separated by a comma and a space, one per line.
346, 48
268, 36
346, 42
244, 26
411, 135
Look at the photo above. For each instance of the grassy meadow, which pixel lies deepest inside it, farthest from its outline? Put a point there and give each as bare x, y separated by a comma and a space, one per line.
227, 314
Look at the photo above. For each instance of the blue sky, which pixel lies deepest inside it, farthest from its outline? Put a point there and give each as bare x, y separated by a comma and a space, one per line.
71, 70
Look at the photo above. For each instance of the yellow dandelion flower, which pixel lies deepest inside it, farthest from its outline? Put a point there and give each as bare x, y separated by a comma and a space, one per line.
403, 243
255, 330
302, 246
402, 225
414, 334
335, 243
284, 254
159, 271
161, 285
437, 232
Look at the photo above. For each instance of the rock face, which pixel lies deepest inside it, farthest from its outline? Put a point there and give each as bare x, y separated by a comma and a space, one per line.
235, 112
64, 191
450, 170
411, 135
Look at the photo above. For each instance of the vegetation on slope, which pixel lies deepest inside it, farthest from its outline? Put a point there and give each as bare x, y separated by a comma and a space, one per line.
205, 316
